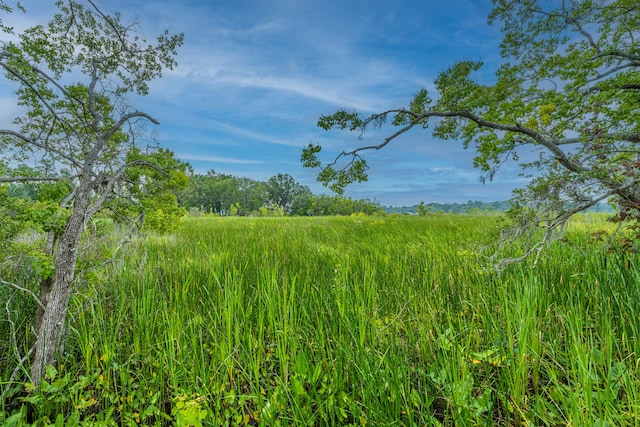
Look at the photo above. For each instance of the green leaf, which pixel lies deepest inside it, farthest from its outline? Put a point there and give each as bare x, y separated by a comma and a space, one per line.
298, 386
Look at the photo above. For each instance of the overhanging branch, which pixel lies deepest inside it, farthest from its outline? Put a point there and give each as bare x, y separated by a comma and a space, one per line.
44, 147
23, 80
111, 181
124, 119
417, 119
37, 178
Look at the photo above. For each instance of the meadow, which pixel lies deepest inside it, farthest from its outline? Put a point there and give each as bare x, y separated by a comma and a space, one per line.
361, 321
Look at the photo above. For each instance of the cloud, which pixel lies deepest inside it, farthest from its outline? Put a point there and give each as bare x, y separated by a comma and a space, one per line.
297, 49
254, 76
216, 159
252, 135
307, 88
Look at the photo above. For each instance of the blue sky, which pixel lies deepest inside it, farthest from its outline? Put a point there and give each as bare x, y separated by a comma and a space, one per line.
255, 75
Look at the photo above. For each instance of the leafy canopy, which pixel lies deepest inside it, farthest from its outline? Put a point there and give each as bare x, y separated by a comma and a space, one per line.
72, 76
569, 87
83, 141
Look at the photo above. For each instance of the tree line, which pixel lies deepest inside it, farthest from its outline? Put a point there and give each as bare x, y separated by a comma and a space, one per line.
467, 207
229, 195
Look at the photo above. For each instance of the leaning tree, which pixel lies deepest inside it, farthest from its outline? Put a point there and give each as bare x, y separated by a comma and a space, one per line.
569, 88
72, 77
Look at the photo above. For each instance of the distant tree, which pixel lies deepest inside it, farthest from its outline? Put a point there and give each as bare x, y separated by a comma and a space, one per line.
569, 89
325, 205
252, 195
366, 206
281, 195
301, 204
234, 209
71, 77
422, 210
213, 192
217, 192
283, 190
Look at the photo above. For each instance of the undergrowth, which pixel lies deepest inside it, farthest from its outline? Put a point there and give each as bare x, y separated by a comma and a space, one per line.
344, 321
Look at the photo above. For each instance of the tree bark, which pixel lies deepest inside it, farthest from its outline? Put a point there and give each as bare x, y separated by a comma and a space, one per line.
45, 288
47, 283
51, 331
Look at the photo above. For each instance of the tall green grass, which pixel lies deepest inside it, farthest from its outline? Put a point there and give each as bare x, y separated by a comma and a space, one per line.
349, 321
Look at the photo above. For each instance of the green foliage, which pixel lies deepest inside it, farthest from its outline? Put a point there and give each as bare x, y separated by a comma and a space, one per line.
422, 210
418, 106
273, 210
164, 220
280, 195
35, 205
10, 225
457, 89
153, 182
568, 86
107, 398
335, 178
234, 209
188, 411
309, 156
341, 120
283, 191
85, 140
346, 321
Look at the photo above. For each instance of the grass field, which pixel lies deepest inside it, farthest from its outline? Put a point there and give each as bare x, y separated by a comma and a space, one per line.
347, 321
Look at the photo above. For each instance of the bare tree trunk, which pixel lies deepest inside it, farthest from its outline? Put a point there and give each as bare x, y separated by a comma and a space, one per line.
45, 288
47, 283
51, 330
51, 334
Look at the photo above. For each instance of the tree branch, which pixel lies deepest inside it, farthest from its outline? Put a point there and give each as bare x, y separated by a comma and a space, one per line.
111, 182
125, 118
16, 74
28, 291
620, 54
41, 146
36, 178
610, 71
630, 137
118, 30
552, 146
92, 100
568, 19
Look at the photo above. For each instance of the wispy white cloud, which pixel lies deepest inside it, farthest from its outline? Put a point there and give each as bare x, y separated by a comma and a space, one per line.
255, 75
252, 135
217, 159
331, 94
457, 174
319, 58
